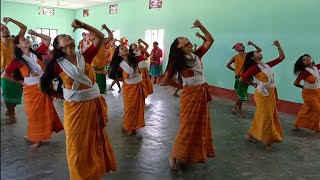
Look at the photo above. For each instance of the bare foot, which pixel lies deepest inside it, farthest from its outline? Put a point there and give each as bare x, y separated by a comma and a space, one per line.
269, 148
119, 91
173, 163
234, 110
11, 120
318, 134
250, 138
240, 114
111, 89
35, 145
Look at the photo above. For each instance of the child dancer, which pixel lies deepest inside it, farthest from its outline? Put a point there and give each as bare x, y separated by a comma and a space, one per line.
241, 89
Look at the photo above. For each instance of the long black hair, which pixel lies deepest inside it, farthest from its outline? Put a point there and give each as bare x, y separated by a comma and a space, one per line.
19, 55
114, 65
133, 62
299, 66
49, 75
116, 60
249, 62
177, 59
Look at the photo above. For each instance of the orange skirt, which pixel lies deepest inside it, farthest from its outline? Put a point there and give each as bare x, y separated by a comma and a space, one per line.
42, 116
146, 79
89, 151
133, 100
266, 126
309, 114
193, 142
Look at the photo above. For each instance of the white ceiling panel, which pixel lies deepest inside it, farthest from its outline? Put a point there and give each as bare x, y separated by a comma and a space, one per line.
67, 4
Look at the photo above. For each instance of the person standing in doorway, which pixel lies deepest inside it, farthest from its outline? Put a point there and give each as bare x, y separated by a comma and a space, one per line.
155, 57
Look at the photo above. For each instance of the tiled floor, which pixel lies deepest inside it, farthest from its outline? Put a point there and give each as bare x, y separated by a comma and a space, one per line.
145, 155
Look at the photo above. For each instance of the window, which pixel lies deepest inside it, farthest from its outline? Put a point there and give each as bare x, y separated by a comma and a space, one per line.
46, 31
53, 33
154, 35
38, 30
116, 35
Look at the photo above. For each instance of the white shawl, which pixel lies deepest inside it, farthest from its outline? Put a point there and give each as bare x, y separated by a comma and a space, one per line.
35, 68
263, 87
77, 74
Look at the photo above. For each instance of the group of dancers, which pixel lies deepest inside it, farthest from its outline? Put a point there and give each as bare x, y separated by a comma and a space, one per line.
72, 76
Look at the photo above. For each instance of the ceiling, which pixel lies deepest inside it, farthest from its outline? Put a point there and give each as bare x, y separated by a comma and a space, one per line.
67, 4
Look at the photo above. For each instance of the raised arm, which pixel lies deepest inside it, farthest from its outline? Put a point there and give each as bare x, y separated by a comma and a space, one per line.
146, 47
99, 37
46, 39
201, 36
281, 53
195, 48
250, 43
110, 35
23, 28
207, 36
229, 64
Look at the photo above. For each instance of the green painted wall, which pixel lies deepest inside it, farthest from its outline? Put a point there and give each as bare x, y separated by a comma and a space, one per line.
295, 23
28, 14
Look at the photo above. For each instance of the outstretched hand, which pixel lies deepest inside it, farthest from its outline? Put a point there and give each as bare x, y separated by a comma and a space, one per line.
6, 20
77, 24
31, 32
197, 24
276, 43
250, 43
104, 26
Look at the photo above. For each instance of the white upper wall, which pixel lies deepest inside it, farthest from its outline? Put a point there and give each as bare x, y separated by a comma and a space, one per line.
67, 4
